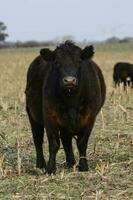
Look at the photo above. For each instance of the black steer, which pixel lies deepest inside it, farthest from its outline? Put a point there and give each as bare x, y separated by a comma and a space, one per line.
64, 93
123, 73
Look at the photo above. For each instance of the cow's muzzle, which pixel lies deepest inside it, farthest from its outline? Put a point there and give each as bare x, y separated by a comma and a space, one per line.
70, 82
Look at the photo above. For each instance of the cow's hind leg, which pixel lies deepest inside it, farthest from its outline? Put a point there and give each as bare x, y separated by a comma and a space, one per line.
67, 145
38, 133
131, 82
125, 85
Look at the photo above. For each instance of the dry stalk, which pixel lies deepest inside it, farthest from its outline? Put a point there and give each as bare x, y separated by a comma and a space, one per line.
101, 169
114, 94
98, 195
117, 142
1, 166
132, 144
94, 148
18, 158
124, 111
4, 104
62, 174
103, 121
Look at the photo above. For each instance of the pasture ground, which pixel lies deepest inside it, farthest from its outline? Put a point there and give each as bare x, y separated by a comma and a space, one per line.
110, 148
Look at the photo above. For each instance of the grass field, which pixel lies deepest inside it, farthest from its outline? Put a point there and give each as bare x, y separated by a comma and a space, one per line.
110, 148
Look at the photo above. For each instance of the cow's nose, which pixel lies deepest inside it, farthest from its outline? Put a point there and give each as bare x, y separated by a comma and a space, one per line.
69, 81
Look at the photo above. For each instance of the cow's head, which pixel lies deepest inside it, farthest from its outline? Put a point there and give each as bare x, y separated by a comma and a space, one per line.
67, 60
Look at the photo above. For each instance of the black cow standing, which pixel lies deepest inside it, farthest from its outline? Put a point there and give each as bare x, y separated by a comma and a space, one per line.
123, 73
64, 93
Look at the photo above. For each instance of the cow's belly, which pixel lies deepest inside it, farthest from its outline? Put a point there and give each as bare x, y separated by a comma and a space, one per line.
72, 122
34, 104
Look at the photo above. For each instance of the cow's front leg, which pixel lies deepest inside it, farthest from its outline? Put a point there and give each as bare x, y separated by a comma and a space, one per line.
82, 142
54, 144
66, 139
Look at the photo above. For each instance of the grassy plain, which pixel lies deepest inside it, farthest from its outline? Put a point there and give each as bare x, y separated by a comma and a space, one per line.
110, 148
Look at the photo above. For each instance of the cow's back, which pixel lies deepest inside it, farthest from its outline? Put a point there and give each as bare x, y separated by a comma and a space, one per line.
121, 71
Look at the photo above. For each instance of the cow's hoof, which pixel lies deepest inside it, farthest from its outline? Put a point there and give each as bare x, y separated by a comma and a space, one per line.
50, 171
51, 168
83, 166
41, 164
70, 164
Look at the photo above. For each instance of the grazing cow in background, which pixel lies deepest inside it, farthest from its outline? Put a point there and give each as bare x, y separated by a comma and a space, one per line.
64, 93
123, 73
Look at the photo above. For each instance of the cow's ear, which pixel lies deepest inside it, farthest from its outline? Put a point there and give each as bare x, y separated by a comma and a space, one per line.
87, 52
47, 54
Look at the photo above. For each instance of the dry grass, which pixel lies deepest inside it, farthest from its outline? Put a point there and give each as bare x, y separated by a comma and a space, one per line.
110, 149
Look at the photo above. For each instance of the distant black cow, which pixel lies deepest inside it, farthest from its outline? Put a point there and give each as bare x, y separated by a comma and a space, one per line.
64, 93
123, 73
